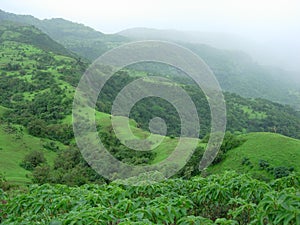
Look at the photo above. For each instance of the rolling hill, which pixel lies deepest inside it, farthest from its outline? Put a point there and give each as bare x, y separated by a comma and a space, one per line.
261, 154
38, 79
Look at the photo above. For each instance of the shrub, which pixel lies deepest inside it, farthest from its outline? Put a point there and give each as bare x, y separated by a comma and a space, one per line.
32, 160
263, 164
281, 171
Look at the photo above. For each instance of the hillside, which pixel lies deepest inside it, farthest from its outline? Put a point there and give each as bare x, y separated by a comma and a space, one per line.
83, 40
15, 144
37, 87
238, 73
235, 70
16, 32
261, 154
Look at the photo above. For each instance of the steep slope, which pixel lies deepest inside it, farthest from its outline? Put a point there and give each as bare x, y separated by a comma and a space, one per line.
31, 93
238, 73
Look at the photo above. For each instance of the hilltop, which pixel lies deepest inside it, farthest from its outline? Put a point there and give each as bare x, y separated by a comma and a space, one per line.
261, 155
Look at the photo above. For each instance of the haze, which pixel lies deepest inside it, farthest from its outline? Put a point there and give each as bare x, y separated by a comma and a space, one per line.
272, 26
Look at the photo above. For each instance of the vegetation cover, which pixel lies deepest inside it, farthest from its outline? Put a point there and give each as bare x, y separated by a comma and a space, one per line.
229, 198
38, 77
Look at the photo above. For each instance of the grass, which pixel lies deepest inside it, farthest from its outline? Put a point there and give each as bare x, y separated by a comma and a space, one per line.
13, 148
276, 149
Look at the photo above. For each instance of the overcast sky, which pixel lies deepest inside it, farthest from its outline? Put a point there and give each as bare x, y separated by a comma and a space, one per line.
268, 21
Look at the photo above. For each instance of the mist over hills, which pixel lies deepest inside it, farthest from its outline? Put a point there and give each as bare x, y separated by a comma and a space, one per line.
235, 70
268, 54
41, 63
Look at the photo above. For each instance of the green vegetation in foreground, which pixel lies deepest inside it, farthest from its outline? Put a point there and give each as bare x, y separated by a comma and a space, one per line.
226, 199
275, 149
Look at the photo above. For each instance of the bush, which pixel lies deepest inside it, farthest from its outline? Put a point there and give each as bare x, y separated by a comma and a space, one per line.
281, 171
263, 164
32, 160
4, 185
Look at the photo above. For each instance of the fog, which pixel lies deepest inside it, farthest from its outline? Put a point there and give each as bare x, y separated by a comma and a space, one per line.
270, 30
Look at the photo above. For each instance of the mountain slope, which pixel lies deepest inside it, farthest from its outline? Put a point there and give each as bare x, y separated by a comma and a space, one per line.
37, 87
263, 53
235, 70
16, 32
83, 40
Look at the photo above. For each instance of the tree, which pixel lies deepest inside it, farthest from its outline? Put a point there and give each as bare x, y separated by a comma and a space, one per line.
32, 160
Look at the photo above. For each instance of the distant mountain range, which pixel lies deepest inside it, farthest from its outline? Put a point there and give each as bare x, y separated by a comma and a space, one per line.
235, 70
283, 56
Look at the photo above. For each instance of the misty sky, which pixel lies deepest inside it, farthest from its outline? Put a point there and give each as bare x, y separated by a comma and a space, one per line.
270, 22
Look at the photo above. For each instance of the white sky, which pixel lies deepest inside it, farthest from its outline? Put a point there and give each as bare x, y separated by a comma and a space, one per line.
273, 21
110, 16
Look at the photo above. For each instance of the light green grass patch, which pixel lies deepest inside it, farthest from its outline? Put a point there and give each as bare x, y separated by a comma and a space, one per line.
276, 149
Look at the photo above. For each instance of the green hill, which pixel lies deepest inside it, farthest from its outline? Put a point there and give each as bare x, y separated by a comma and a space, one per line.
16, 32
83, 40
235, 70
259, 150
37, 84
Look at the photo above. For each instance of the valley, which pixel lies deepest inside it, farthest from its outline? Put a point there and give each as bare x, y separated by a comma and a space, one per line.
45, 179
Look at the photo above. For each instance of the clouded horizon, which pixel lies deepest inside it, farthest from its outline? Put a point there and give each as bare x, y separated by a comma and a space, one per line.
274, 24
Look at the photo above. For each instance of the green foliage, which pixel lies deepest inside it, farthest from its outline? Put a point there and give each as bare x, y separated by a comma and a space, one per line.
265, 116
69, 168
83, 40
223, 199
18, 32
32, 160
4, 185
263, 164
281, 171
230, 141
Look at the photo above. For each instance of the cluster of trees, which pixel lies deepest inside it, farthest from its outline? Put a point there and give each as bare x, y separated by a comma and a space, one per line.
244, 115
277, 172
72, 169
41, 116
37, 101
191, 168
